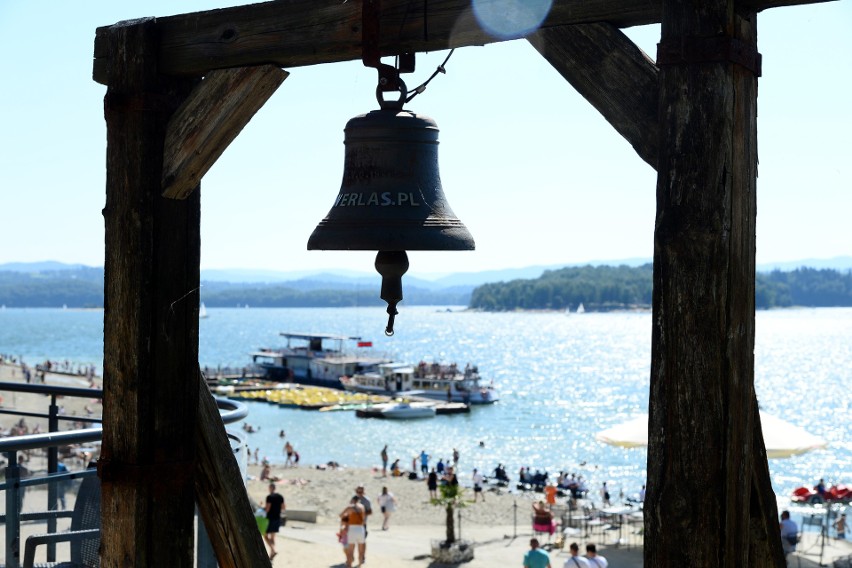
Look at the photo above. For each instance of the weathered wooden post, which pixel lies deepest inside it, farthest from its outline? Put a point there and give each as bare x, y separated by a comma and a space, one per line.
709, 496
150, 318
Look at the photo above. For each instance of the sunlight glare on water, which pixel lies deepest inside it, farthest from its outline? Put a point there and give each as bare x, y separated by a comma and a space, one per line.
562, 378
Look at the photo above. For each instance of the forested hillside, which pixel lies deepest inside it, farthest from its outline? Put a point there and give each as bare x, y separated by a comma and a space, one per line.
601, 288
597, 287
84, 288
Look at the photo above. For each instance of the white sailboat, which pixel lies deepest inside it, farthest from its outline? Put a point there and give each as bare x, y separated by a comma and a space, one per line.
581, 309
202, 311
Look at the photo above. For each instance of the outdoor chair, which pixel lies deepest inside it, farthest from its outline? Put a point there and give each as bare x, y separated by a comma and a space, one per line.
84, 535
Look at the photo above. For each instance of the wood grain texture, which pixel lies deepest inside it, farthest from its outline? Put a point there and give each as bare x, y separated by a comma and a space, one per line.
294, 33
220, 490
614, 75
150, 319
210, 119
704, 461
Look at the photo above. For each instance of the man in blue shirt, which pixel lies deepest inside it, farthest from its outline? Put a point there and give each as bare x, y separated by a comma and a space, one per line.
789, 533
536, 557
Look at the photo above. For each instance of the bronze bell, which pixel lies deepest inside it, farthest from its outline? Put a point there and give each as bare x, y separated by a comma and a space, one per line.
391, 197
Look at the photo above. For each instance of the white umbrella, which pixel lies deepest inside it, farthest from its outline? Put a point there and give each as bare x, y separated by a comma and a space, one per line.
781, 438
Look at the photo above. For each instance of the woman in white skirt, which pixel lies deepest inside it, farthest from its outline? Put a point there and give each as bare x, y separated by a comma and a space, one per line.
388, 504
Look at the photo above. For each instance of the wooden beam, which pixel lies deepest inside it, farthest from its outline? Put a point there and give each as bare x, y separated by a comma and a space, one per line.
210, 119
309, 32
150, 319
614, 75
704, 460
765, 532
221, 492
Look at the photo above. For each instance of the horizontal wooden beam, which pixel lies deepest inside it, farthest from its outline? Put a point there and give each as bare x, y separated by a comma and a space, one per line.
309, 32
614, 75
210, 119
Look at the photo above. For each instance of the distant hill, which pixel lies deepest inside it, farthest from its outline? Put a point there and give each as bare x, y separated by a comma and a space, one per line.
56, 285
53, 284
423, 280
44, 266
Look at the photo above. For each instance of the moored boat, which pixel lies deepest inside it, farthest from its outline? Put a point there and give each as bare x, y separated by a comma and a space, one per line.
406, 411
434, 381
400, 409
315, 359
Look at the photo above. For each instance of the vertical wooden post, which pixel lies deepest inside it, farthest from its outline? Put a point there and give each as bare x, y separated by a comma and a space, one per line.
150, 319
702, 470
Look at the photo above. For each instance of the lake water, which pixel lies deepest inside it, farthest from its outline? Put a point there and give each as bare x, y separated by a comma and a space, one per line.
562, 378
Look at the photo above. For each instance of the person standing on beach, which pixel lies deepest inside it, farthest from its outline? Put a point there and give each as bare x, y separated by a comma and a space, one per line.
274, 506
536, 557
387, 502
455, 457
368, 510
605, 495
840, 527
575, 560
384, 456
424, 462
432, 484
450, 478
477, 486
288, 449
355, 518
550, 494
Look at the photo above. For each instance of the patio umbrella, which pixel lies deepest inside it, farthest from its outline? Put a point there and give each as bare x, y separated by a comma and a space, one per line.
781, 438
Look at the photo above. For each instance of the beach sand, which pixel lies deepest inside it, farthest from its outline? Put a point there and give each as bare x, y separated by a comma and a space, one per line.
500, 527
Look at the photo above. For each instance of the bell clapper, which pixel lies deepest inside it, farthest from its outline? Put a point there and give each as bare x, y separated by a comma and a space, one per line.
391, 265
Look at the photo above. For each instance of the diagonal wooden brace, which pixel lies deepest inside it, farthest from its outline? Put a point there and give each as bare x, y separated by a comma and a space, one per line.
210, 119
220, 491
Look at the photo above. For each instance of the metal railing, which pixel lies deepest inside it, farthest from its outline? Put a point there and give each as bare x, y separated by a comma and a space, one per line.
231, 411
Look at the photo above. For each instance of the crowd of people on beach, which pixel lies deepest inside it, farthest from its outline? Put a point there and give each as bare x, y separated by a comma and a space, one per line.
38, 373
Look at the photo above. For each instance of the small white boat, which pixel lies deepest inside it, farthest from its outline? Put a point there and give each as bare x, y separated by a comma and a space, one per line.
581, 309
202, 311
405, 411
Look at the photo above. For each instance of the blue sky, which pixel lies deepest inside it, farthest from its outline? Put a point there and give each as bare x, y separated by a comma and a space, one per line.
536, 174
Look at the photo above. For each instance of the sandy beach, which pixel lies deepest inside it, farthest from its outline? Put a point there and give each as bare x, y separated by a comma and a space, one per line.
499, 528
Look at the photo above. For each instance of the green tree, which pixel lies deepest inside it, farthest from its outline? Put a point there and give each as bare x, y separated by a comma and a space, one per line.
450, 500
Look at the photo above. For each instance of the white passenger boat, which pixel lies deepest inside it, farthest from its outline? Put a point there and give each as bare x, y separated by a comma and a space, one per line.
430, 380
317, 359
